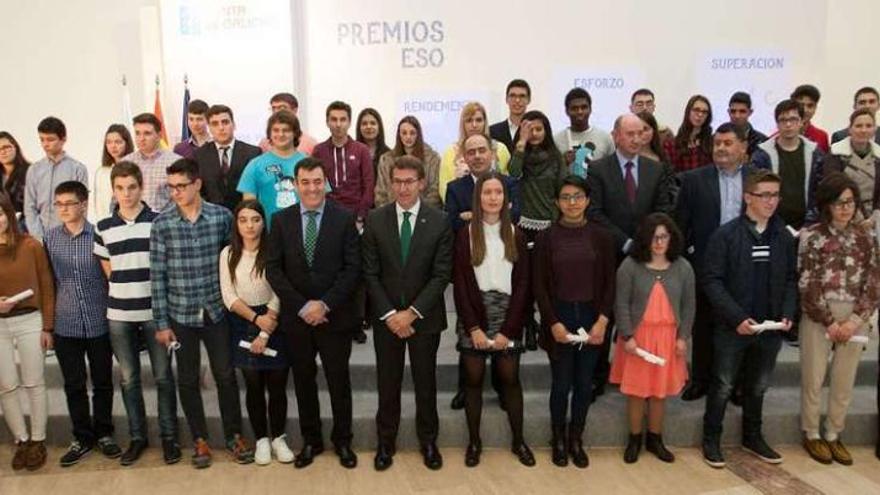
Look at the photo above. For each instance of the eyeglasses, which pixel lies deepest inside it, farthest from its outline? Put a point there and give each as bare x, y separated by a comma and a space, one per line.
789, 120
572, 198
7, 147
661, 238
843, 204
179, 187
643, 104
767, 196
403, 182
68, 204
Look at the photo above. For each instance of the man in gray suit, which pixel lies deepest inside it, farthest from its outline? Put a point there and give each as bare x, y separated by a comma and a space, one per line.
625, 188
407, 263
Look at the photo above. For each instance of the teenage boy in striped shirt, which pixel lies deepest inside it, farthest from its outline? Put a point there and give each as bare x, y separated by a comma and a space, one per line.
122, 243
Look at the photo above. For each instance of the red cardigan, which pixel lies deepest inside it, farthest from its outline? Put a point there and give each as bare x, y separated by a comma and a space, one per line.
469, 302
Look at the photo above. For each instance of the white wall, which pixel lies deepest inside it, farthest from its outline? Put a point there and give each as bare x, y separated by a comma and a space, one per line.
66, 58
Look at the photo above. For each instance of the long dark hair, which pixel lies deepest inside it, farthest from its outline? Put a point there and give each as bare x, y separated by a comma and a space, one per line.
106, 159
13, 235
641, 250
478, 238
655, 145
547, 144
15, 182
704, 136
381, 147
418, 148
236, 243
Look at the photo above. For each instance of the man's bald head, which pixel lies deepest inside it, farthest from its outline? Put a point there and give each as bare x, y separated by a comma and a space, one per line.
627, 134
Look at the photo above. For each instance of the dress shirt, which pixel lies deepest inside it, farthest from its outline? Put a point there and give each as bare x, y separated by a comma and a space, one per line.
635, 169
41, 179
730, 187
155, 190
80, 286
184, 265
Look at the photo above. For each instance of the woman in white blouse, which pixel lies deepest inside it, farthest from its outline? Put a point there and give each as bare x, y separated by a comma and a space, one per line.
117, 143
258, 351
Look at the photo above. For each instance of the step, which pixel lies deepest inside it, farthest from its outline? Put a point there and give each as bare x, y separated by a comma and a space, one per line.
606, 420
534, 368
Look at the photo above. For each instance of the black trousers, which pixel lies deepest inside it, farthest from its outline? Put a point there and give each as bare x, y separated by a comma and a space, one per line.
390, 356
305, 344
215, 337
88, 424
703, 348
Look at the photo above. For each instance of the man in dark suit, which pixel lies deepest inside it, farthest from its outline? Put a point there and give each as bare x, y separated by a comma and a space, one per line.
222, 160
517, 96
709, 197
625, 188
479, 156
407, 252
314, 265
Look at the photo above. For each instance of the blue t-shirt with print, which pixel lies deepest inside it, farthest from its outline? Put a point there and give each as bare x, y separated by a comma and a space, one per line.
270, 178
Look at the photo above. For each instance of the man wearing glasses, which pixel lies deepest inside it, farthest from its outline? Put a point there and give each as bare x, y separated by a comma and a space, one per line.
407, 264
518, 96
185, 245
81, 333
796, 159
642, 100
750, 276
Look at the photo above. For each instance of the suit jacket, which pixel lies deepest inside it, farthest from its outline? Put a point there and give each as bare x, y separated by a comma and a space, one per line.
335, 272
609, 204
216, 188
500, 132
428, 270
698, 212
460, 198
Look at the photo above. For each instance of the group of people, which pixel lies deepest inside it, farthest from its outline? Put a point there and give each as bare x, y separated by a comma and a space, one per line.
719, 242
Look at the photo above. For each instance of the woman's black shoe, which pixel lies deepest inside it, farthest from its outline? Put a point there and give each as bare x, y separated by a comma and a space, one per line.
576, 448
560, 454
524, 454
633, 447
654, 445
472, 454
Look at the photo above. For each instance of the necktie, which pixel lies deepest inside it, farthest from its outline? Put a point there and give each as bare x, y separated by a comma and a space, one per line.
224, 160
630, 183
311, 237
405, 236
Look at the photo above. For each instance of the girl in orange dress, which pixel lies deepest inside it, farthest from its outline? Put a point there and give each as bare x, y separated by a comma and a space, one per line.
654, 307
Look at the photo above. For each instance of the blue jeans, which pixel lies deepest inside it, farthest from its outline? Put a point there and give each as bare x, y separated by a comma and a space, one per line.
572, 367
756, 355
125, 338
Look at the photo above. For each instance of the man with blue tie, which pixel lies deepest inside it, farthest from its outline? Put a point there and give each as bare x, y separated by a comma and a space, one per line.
407, 255
314, 265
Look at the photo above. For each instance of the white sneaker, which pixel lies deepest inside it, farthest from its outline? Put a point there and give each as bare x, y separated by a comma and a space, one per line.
281, 450
263, 452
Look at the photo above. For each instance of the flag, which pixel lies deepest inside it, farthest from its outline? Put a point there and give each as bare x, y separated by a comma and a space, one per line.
184, 125
126, 104
157, 111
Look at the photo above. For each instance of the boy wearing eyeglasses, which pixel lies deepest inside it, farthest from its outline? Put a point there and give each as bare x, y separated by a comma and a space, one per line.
796, 159
750, 276
81, 334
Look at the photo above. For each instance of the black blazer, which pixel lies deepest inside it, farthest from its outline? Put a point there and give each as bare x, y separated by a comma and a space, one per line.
335, 272
216, 188
609, 204
500, 131
428, 269
460, 198
698, 212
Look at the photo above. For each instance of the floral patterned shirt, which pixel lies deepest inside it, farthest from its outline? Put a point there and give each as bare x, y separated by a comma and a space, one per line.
838, 265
